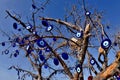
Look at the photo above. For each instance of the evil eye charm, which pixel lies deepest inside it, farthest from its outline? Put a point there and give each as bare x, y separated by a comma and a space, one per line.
33, 6
45, 23
29, 27
15, 25
49, 28
79, 34
3, 43
55, 61
87, 13
78, 68
41, 43
47, 49
65, 56
106, 43
92, 61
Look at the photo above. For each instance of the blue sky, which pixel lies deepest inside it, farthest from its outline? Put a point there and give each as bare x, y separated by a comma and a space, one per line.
55, 9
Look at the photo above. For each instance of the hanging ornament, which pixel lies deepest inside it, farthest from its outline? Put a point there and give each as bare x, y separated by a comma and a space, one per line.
45, 66
106, 43
88, 13
15, 25
79, 34
3, 43
49, 28
33, 6
92, 61
90, 78
78, 68
15, 54
55, 61
6, 51
47, 49
42, 58
29, 27
45, 23
65, 56
54, 39
41, 43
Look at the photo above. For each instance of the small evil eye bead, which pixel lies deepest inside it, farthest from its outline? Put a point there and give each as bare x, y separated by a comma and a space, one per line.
41, 43
47, 49
6, 51
45, 23
54, 39
106, 43
65, 56
55, 61
78, 68
49, 28
33, 6
45, 66
29, 27
3, 43
42, 58
92, 61
15, 25
15, 54
79, 34
88, 13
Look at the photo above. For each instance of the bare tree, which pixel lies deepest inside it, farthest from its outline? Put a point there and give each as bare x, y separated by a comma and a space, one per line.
67, 43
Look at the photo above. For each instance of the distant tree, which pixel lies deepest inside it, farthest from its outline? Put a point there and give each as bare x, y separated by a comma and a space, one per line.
64, 46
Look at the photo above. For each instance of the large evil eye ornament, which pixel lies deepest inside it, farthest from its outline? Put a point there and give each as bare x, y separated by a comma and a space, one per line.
65, 56
106, 43
92, 61
49, 28
79, 34
78, 68
41, 43
45, 23
55, 61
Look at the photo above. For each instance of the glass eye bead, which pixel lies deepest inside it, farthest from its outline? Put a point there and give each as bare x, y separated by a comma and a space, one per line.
42, 58
106, 43
41, 43
54, 39
15, 25
6, 51
3, 43
29, 27
92, 61
47, 49
88, 13
15, 54
79, 34
45, 23
65, 56
55, 61
49, 28
33, 6
78, 68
